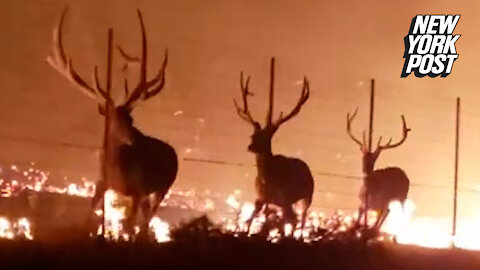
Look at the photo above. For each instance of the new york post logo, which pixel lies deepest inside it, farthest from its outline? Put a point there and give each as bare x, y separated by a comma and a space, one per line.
430, 46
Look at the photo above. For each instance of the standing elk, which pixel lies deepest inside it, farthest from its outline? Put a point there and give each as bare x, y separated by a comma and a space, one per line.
280, 180
136, 165
383, 185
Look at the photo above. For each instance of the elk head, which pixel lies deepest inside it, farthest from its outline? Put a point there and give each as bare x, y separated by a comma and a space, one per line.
370, 157
262, 136
120, 120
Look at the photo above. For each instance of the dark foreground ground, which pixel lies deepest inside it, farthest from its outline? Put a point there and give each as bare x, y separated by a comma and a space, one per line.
61, 243
227, 253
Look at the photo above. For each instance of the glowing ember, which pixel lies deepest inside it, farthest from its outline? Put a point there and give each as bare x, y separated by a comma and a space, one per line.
274, 235
160, 228
5, 228
17, 229
23, 228
233, 201
86, 190
288, 230
114, 215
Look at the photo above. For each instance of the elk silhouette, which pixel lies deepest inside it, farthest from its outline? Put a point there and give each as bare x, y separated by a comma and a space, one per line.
383, 185
280, 180
134, 164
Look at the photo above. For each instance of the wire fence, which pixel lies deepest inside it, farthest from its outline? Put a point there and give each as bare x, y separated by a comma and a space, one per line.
354, 178
328, 174
217, 162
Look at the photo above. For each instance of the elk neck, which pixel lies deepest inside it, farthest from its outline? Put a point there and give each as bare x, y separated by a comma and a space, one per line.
368, 163
112, 146
261, 160
111, 150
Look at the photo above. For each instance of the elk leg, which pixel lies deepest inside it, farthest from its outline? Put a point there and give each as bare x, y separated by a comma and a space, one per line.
267, 211
304, 219
258, 206
99, 192
147, 215
381, 219
289, 214
133, 214
289, 217
158, 200
145, 205
361, 214
381, 213
306, 205
100, 189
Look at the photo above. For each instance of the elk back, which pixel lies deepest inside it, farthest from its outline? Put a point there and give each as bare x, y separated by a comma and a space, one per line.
386, 185
287, 180
150, 164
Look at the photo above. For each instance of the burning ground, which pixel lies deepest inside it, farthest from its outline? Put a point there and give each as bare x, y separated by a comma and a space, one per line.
44, 224
32, 209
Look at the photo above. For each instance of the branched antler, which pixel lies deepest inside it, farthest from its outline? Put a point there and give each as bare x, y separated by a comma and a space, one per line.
244, 112
273, 126
63, 64
389, 144
145, 88
303, 98
363, 145
380, 146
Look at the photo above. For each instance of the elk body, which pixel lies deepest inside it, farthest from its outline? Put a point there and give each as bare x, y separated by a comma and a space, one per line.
383, 185
280, 180
133, 164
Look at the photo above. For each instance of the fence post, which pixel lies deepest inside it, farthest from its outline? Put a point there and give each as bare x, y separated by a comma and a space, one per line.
455, 186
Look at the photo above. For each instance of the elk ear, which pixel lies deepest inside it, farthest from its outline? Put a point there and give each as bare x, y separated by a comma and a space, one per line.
101, 109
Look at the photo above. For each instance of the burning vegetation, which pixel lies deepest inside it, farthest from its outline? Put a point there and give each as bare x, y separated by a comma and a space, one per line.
24, 191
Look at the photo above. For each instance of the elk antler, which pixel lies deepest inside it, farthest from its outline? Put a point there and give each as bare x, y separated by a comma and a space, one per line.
146, 88
63, 64
245, 112
349, 131
303, 98
389, 144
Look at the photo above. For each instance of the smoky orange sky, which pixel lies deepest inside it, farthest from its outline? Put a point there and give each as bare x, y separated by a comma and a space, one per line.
338, 45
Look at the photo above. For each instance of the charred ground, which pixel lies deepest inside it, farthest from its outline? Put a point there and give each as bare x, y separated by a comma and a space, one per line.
224, 252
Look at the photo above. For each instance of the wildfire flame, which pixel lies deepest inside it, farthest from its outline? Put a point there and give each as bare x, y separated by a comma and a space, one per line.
401, 223
161, 229
17, 229
114, 215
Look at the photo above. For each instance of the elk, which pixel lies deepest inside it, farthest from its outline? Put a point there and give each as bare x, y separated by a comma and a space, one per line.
280, 180
383, 185
134, 164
